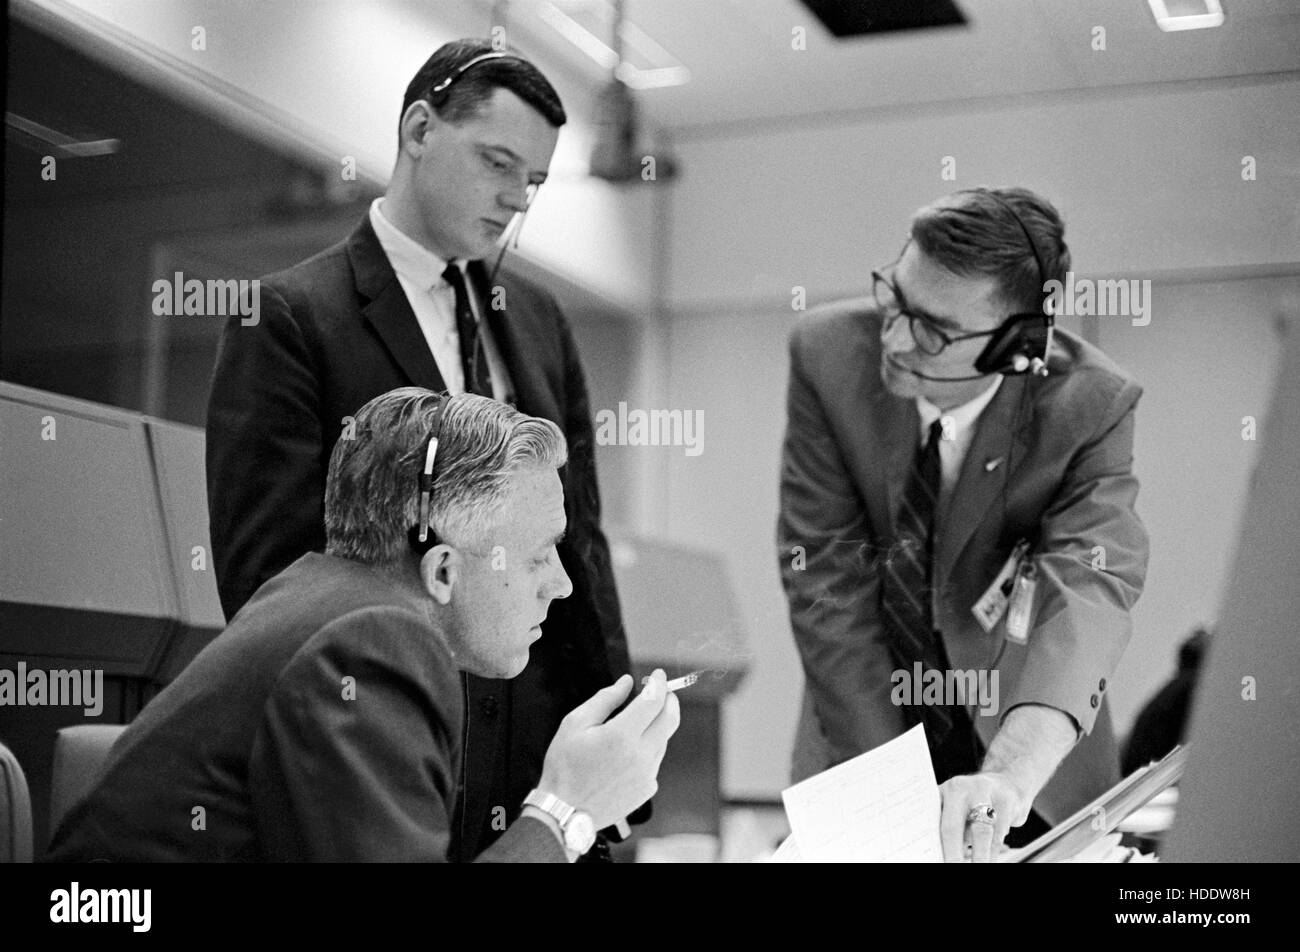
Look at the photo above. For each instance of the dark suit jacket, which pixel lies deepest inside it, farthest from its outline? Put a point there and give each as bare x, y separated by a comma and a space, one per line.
1064, 481
334, 332
323, 724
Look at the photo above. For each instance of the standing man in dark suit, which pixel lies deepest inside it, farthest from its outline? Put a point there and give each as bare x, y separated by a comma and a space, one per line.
406, 300
932, 429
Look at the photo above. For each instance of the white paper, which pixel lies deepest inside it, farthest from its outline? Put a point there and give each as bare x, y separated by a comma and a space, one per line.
882, 806
1104, 850
787, 852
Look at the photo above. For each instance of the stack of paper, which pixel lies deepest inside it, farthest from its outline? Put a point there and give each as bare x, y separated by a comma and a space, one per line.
883, 806
879, 807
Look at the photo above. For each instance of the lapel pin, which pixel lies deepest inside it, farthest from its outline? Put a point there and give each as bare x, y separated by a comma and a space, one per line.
992, 464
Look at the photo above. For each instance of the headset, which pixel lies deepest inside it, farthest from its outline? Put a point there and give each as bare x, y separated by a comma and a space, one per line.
439, 93
1023, 341
421, 535
438, 96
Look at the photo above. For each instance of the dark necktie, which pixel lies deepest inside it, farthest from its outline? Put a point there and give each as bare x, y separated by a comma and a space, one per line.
473, 359
905, 587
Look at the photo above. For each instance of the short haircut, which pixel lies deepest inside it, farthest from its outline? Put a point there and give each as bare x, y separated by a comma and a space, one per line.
372, 488
971, 233
467, 95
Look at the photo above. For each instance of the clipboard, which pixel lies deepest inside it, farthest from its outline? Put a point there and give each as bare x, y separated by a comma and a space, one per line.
1100, 818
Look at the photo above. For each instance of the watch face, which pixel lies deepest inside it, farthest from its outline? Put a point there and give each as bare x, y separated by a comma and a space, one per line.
579, 832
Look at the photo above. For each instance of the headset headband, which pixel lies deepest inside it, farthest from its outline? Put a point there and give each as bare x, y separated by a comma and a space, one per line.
445, 84
1029, 237
1024, 341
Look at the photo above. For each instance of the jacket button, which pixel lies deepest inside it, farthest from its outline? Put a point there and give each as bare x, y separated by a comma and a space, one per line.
1095, 702
489, 706
1101, 685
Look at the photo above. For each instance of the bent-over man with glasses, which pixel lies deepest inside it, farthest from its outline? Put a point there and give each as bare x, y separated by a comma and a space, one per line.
957, 535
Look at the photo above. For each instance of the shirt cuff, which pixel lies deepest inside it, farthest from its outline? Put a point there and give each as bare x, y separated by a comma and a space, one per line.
541, 816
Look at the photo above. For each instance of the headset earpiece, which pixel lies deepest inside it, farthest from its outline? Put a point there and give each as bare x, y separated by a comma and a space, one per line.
420, 548
1019, 346
421, 535
1023, 341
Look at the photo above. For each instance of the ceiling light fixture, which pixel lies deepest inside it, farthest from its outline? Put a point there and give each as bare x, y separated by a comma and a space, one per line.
1172, 15
645, 63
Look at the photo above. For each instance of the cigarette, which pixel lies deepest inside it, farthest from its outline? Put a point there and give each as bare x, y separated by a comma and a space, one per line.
676, 684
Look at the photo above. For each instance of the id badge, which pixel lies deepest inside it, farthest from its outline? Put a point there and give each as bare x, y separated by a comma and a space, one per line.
1022, 603
992, 605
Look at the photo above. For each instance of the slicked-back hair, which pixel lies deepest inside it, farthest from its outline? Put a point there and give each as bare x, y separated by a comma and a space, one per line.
971, 233
466, 96
372, 488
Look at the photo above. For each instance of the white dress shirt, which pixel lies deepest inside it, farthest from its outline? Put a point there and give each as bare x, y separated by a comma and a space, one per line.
433, 300
958, 433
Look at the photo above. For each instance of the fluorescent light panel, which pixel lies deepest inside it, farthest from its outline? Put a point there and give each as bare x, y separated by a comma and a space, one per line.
646, 64
1172, 15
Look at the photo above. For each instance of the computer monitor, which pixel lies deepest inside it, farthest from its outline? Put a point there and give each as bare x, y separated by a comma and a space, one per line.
1240, 798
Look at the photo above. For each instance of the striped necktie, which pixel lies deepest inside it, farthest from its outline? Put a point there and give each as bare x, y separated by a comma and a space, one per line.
905, 588
473, 359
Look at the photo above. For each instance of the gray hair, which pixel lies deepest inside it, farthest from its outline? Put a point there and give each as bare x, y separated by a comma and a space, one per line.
372, 489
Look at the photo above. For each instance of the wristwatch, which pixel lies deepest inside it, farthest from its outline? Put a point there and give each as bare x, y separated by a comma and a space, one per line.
577, 827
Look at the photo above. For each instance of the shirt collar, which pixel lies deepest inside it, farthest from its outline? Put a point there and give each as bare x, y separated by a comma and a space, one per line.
963, 416
410, 259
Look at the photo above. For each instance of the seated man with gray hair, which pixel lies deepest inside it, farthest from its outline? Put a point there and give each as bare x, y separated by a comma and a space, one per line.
326, 721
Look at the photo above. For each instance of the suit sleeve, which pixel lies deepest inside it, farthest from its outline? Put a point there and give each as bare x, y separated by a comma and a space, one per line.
825, 551
354, 759
266, 479
587, 550
1092, 565
594, 558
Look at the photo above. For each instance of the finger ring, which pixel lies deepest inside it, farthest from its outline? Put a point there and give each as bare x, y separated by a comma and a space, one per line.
982, 813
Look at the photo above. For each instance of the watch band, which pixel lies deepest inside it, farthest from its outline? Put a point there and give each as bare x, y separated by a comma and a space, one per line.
550, 803
577, 832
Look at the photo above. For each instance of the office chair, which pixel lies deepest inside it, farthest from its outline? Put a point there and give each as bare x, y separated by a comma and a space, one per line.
79, 753
15, 811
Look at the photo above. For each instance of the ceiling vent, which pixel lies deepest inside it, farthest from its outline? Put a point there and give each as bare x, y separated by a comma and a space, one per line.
850, 18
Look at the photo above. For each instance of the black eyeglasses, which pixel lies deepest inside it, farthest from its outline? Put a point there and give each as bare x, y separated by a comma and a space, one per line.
930, 339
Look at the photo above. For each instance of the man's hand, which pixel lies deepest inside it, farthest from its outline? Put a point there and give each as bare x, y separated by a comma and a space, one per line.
961, 795
608, 766
1032, 742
